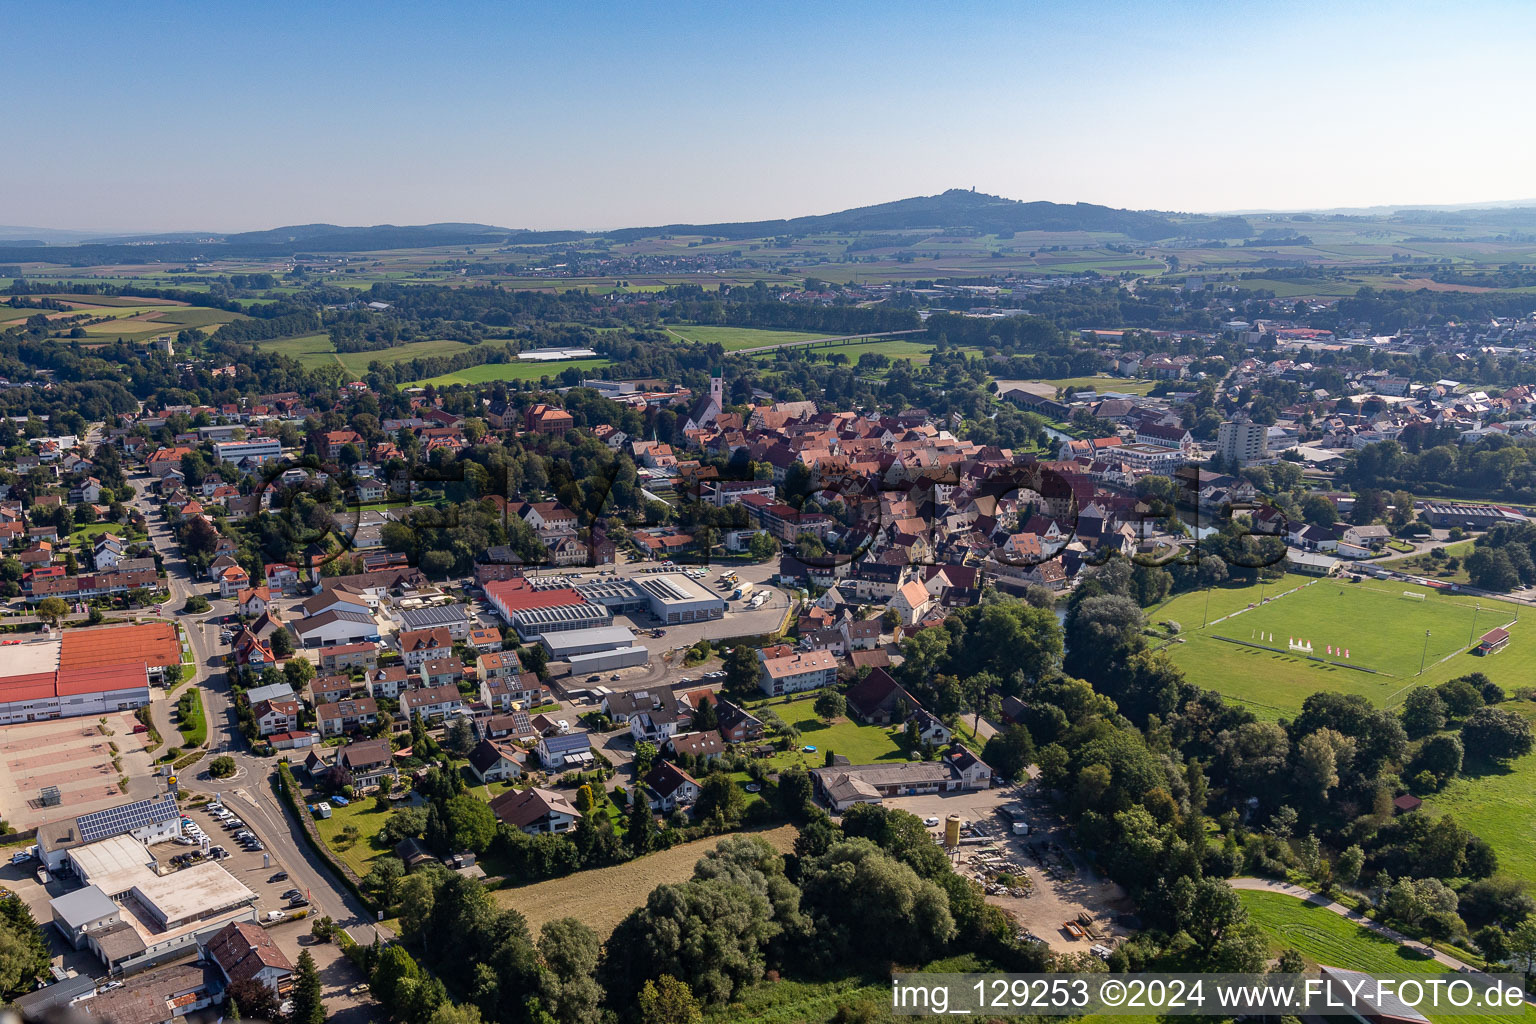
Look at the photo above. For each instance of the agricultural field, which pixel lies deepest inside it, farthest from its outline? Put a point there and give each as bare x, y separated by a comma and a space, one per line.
604, 896
1383, 630
131, 318
316, 350
733, 339
484, 373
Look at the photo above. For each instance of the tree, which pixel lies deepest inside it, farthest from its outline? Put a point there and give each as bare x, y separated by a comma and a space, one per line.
196, 604
298, 672
1497, 735
307, 1005
1423, 712
24, 952
668, 1001
830, 704
794, 793
51, 610
383, 879
454, 1013
394, 976
568, 985
645, 758
256, 1001
470, 823
585, 801
1347, 868
282, 643
221, 767
762, 546
641, 831
871, 908
741, 670
1522, 946
1010, 752
1321, 755
720, 798
459, 739
1440, 757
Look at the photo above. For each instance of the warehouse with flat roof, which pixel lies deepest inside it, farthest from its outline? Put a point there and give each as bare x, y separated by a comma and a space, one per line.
85, 671
675, 598
561, 646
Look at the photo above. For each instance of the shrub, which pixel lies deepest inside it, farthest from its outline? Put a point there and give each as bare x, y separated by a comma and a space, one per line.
222, 767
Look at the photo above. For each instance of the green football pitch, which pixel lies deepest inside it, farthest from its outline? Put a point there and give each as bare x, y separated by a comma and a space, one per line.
1243, 648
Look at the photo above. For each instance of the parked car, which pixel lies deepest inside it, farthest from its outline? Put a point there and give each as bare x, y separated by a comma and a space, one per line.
281, 876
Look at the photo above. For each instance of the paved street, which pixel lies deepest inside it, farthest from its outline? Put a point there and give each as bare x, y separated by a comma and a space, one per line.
249, 793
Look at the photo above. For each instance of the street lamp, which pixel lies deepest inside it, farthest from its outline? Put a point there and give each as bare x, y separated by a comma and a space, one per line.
1425, 653
1476, 607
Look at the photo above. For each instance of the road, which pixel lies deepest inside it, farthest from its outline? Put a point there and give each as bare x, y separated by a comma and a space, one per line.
249, 792
1302, 893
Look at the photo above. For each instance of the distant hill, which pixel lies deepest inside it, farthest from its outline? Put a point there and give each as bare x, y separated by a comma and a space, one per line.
955, 209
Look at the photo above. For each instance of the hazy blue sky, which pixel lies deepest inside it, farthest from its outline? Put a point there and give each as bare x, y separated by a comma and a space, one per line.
226, 116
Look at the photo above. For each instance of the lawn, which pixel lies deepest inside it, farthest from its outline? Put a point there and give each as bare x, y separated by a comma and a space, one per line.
861, 744
1499, 805
1323, 937
1383, 631
190, 720
1424, 565
919, 352
1101, 384
603, 897
361, 854
484, 373
734, 338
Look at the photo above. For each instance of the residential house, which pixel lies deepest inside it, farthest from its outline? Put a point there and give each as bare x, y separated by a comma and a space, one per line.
565, 751
432, 702
243, 951
418, 646
804, 670
911, 602
535, 811
232, 580
706, 744
737, 725
657, 725
276, 716
496, 762
252, 601
346, 716
329, 688
669, 787
440, 672
390, 681
342, 657
366, 764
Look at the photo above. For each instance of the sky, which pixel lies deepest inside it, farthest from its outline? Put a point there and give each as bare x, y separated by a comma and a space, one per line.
227, 117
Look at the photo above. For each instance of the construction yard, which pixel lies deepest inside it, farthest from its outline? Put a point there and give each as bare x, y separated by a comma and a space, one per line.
83, 758
1036, 879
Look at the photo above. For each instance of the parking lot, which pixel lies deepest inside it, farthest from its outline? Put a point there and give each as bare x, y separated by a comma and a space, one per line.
259, 869
75, 755
1052, 887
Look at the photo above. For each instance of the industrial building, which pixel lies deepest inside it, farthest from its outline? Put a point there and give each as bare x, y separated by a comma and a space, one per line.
532, 611
562, 646
675, 598
607, 661
85, 672
132, 915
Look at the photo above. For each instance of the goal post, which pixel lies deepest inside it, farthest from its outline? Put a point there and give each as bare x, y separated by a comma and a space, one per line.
1413, 596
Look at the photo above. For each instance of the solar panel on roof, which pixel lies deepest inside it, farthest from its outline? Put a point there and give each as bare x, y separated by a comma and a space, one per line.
114, 821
